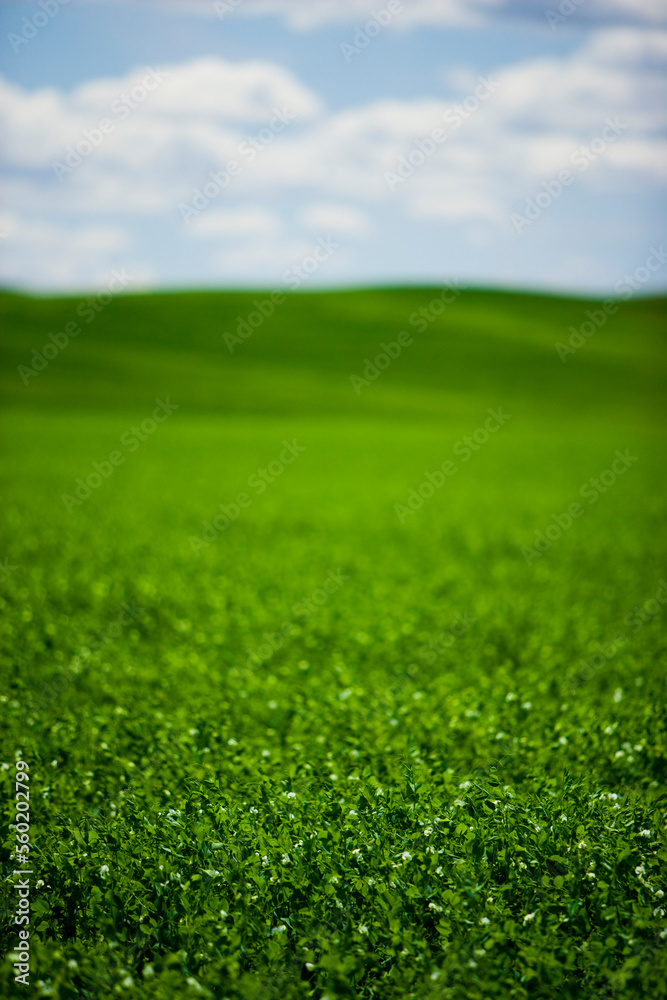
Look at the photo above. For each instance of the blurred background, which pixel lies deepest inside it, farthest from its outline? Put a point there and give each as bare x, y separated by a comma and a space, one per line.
347, 231
115, 116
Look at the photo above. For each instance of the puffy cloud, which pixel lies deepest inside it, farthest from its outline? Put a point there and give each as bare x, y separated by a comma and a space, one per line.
209, 87
332, 218
247, 221
328, 171
154, 112
54, 255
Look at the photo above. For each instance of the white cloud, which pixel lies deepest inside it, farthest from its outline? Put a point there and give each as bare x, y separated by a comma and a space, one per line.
202, 105
210, 87
306, 14
51, 255
247, 221
328, 217
328, 168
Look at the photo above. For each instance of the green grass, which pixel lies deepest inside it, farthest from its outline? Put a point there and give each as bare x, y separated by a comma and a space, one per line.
496, 823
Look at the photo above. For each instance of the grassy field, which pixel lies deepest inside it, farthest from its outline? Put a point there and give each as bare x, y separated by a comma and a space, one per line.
335, 688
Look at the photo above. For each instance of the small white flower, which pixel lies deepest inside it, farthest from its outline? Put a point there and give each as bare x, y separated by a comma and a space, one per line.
644, 833
563, 740
528, 917
290, 795
353, 812
465, 784
406, 856
272, 704
363, 929
434, 906
438, 871
563, 818
428, 831
40, 883
485, 921
72, 964
281, 928
510, 697
618, 694
333, 777
659, 893
223, 913
527, 705
334, 879
232, 742
640, 870
582, 843
104, 870
266, 753
128, 981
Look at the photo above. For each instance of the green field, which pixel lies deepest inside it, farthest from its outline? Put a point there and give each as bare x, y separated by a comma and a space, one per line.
348, 740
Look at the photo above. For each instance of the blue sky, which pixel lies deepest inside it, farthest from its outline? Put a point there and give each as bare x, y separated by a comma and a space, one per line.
500, 143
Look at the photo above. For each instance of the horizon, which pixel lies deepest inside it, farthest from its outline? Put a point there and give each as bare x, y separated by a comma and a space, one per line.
501, 145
